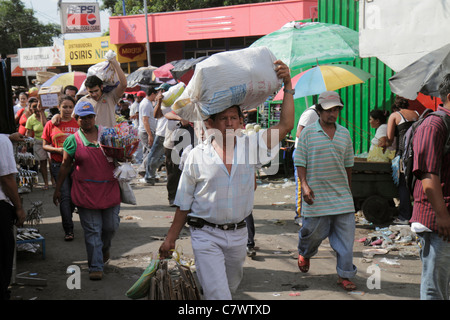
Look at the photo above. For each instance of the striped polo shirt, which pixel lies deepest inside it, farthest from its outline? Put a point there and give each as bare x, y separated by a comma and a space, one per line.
325, 161
428, 143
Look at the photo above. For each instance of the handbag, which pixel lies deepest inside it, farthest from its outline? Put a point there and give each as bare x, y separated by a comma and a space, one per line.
126, 192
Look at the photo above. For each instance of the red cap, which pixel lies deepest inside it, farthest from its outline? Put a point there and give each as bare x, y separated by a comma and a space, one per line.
141, 94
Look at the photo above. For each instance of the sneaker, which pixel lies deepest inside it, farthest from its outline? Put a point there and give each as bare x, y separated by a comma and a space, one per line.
95, 275
150, 182
251, 252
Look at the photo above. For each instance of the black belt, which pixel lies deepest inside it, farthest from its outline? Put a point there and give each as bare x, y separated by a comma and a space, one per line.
200, 223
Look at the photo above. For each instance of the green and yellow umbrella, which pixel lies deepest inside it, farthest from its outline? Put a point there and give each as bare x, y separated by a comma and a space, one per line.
325, 78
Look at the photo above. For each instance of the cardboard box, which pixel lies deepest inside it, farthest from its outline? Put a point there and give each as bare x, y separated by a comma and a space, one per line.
49, 96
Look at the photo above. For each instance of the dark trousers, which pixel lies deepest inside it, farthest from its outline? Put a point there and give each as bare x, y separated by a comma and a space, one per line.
251, 230
66, 207
405, 207
7, 243
173, 174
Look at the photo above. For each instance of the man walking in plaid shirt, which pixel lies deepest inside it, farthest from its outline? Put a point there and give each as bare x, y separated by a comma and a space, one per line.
431, 217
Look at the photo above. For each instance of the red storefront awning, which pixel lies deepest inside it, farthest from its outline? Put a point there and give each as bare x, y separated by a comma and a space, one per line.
222, 22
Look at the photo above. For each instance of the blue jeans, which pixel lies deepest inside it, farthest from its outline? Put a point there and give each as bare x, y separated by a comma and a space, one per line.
66, 207
154, 158
99, 228
340, 230
298, 191
435, 256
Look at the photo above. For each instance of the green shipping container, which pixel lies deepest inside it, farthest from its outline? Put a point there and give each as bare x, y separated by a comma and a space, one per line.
359, 99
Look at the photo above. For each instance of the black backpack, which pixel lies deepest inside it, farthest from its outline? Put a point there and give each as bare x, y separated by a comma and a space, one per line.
407, 157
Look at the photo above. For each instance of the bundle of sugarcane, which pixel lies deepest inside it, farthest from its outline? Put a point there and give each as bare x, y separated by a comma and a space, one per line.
141, 287
175, 284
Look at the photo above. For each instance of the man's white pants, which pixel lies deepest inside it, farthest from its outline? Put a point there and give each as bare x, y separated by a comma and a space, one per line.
219, 260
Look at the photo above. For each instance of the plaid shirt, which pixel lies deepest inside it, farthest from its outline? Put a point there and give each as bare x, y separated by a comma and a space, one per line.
429, 143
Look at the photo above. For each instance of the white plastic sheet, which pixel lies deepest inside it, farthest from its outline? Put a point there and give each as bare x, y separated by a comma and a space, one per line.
400, 32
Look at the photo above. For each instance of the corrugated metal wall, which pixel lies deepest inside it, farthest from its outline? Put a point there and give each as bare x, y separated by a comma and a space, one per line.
358, 99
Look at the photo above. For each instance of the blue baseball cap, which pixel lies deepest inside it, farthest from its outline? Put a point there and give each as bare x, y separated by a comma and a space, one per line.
84, 108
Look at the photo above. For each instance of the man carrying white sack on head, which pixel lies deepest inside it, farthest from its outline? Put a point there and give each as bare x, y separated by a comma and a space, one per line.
216, 192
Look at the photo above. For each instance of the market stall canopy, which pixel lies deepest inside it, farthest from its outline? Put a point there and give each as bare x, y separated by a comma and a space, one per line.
325, 78
302, 45
183, 69
424, 75
400, 32
75, 78
141, 77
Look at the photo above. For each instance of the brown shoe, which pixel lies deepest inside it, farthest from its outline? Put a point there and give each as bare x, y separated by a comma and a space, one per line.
95, 275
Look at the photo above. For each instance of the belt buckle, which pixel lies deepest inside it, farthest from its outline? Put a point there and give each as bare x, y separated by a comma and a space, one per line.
225, 227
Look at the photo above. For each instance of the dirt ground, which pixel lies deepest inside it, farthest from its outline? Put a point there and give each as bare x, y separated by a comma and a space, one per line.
271, 275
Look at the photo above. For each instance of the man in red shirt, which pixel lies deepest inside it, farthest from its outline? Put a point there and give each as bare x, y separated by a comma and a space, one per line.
431, 217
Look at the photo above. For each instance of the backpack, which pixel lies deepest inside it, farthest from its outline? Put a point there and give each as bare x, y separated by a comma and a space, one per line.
407, 157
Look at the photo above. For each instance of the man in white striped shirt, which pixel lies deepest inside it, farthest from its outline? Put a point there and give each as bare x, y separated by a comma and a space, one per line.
324, 159
216, 190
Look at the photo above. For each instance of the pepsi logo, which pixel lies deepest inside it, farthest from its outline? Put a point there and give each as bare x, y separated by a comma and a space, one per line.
91, 19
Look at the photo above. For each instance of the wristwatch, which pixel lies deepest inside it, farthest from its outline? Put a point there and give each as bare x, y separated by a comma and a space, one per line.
289, 91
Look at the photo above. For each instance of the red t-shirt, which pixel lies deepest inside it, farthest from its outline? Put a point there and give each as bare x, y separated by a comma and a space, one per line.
22, 121
56, 135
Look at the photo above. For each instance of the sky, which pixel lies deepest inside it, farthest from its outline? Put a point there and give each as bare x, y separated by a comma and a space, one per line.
46, 11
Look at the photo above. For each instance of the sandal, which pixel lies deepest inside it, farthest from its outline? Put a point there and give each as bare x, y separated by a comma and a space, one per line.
346, 284
303, 263
69, 236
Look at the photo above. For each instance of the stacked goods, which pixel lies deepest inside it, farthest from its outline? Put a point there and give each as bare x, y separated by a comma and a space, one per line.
244, 77
120, 141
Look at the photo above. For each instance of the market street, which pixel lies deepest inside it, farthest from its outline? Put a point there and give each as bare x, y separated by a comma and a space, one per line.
271, 275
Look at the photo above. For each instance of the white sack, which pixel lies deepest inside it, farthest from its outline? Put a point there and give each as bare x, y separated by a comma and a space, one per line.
244, 77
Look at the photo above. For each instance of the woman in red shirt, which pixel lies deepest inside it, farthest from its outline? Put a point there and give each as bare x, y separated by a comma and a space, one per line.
54, 137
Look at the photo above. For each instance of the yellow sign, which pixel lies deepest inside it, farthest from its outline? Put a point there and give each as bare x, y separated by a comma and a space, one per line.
92, 50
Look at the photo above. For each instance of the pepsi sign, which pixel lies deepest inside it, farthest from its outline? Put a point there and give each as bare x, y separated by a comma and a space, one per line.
80, 17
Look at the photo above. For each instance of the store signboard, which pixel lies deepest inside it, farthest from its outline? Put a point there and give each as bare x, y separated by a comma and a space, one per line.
80, 17
92, 50
41, 57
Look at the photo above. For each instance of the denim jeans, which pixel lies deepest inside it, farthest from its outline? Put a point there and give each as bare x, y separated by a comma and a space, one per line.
154, 158
298, 191
143, 136
99, 228
435, 256
340, 230
66, 207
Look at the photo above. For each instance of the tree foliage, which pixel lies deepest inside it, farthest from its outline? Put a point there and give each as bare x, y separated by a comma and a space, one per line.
20, 28
115, 7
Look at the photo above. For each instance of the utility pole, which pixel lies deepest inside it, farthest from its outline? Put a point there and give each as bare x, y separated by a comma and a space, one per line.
146, 28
